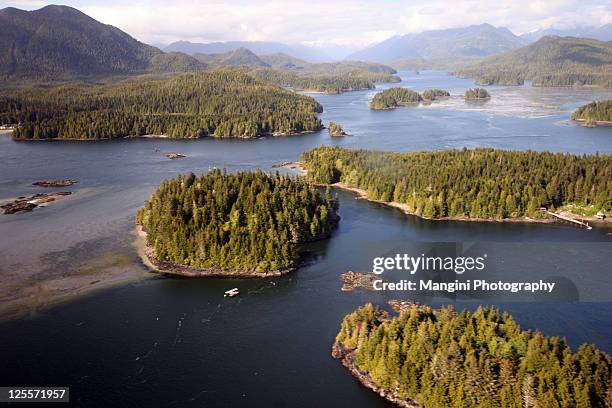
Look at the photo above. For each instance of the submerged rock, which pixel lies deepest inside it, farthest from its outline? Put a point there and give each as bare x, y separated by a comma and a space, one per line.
173, 156
26, 204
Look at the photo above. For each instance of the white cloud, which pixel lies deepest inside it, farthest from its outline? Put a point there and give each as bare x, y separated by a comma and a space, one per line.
341, 22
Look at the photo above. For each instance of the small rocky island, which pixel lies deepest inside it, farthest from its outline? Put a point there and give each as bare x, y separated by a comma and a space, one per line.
426, 357
357, 280
434, 94
55, 183
335, 130
477, 94
26, 204
248, 224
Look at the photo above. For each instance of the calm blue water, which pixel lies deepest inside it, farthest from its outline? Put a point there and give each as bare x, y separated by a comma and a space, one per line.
179, 343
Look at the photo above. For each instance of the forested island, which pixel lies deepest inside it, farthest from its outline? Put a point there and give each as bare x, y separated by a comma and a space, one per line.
219, 104
434, 94
394, 97
437, 357
551, 61
476, 93
595, 113
478, 184
324, 83
243, 224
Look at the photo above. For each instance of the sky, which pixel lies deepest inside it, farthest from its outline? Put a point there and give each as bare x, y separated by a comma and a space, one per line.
348, 24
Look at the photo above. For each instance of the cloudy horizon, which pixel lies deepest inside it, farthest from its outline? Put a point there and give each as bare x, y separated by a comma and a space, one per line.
342, 24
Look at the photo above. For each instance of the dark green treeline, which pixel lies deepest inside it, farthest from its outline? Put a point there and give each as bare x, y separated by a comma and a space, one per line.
479, 183
327, 83
242, 221
441, 358
219, 103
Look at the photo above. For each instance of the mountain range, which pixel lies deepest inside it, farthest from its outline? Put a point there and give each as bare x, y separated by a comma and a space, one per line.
60, 42
473, 41
602, 33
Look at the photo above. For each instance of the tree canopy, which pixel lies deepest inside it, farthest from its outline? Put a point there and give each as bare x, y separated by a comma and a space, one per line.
441, 358
243, 221
218, 103
479, 183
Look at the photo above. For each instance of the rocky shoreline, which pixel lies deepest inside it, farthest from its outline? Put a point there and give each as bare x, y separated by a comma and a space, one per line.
147, 255
347, 358
593, 123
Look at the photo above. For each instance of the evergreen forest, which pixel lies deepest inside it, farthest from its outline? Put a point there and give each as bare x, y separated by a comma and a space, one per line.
442, 358
598, 111
480, 183
219, 103
245, 221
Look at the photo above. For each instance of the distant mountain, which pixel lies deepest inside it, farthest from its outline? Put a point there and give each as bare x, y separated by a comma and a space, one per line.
551, 61
473, 41
240, 56
60, 42
310, 54
603, 33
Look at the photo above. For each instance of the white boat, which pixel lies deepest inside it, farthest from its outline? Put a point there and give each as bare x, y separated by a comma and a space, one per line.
231, 292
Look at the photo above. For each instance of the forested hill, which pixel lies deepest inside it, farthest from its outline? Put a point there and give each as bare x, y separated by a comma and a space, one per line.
443, 358
551, 61
240, 56
60, 42
480, 183
217, 103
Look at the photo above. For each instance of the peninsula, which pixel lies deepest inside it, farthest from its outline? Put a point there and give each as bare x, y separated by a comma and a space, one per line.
468, 185
248, 224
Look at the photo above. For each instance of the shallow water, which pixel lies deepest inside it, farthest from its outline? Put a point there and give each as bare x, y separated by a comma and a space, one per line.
178, 342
